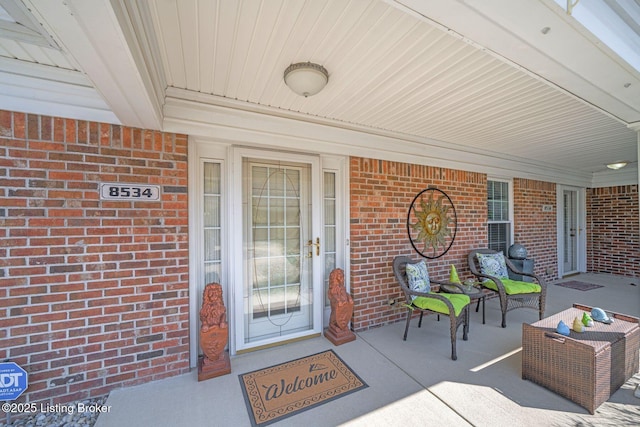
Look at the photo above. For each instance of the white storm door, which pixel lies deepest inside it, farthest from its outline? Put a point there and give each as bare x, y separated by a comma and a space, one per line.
281, 257
572, 239
571, 231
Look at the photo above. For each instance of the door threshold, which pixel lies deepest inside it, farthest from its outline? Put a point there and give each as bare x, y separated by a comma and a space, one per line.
278, 344
571, 274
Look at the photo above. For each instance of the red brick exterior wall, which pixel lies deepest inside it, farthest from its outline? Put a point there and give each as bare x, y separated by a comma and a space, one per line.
381, 193
534, 229
613, 243
93, 293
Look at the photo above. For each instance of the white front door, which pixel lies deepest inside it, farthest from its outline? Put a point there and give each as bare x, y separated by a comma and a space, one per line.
279, 280
572, 239
570, 232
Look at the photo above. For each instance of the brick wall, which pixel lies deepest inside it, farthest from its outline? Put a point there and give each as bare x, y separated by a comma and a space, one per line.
613, 244
534, 229
381, 193
93, 293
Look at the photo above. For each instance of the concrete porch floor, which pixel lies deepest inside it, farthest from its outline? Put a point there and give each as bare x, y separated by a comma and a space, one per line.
414, 382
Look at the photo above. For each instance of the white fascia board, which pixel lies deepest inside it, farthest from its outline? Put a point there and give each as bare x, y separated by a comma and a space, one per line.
14, 31
35, 105
89, 31
241, 123
23, 26
43, 72
626, 176
568, 57
40, 89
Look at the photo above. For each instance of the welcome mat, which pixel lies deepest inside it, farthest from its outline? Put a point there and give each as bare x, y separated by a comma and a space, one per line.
581, 286
280, 391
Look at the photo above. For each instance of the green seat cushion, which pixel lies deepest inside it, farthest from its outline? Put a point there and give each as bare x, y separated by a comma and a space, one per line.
513, 287
458, 301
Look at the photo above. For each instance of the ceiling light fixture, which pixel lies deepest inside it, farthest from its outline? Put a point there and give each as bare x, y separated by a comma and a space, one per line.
617, 165
306, 78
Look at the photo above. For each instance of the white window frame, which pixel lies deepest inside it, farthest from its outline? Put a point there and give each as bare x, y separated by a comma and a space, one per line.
339, 165
510, 221
199, 152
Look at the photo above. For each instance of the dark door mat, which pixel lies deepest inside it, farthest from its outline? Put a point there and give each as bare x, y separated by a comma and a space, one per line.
581, 286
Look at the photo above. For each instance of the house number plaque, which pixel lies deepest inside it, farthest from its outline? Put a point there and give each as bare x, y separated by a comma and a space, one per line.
111, 191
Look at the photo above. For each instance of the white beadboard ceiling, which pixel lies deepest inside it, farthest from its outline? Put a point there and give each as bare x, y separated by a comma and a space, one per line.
474, 74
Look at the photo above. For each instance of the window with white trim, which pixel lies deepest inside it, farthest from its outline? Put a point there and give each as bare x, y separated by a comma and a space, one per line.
212, 225
498, 216
330, 229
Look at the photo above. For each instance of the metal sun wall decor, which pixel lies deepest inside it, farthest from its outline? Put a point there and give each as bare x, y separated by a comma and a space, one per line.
432, 223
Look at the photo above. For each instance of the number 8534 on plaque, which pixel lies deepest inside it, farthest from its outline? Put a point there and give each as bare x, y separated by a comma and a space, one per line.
110, 191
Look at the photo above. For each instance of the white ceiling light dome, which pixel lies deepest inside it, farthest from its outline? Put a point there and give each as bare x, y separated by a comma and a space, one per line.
617, 165
306, 78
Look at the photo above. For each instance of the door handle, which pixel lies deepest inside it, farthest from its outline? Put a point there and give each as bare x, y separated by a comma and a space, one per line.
311, 245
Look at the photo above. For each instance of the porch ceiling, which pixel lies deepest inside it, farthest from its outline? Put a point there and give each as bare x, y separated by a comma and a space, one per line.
467, 74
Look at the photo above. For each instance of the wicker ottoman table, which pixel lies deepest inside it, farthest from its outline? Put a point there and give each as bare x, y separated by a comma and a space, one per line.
585, 367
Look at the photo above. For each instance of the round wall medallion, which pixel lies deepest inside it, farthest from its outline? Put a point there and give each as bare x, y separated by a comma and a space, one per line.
432, 223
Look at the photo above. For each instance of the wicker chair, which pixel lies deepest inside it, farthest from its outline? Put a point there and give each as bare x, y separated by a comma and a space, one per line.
399, 269
508, 302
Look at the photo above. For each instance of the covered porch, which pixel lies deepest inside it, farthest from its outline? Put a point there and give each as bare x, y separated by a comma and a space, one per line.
514, 109
410, 383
